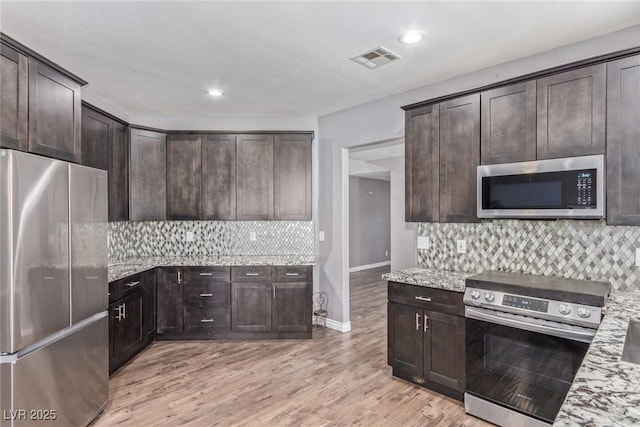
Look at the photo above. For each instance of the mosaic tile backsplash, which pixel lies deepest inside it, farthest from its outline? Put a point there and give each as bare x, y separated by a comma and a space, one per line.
588, 250
140, 239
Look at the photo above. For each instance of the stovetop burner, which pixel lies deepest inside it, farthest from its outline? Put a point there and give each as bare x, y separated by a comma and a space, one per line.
577, 302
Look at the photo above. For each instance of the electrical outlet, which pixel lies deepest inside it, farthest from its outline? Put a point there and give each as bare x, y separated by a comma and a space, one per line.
321, 236
190, 236
637, 257
461, 246
252, 236
423, 242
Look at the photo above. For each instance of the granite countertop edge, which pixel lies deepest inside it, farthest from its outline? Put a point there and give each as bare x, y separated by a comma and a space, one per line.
123, 268
437, 279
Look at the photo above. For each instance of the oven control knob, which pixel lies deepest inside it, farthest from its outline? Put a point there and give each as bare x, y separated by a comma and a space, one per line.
474, 294
583, 312
488, 296
564, 309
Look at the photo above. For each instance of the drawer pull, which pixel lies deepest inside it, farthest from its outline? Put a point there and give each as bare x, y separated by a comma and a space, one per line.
132, 284
206, 295
49, 277
92, 277
427, 299
252, 274
417, 321
206, 274
206, 320
426, 323
292, 274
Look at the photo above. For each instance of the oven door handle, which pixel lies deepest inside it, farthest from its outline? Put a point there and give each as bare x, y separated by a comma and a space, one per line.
510, 320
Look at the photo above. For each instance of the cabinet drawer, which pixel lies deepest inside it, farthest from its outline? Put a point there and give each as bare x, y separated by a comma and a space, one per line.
427, 298
206, 274
123, 287
209, 294
206, 319
292, 274
258, 273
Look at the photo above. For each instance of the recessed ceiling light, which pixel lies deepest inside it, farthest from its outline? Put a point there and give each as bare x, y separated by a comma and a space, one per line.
412, 37
215, 92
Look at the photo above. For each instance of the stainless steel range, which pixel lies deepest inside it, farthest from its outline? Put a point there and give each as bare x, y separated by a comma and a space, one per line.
526, 336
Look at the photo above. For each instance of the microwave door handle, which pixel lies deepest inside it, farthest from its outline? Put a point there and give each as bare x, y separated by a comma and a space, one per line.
570, 334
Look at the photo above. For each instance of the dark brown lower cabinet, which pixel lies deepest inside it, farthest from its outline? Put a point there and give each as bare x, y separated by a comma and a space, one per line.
291, 310
251, 304
427, 347
169, 315
131, 317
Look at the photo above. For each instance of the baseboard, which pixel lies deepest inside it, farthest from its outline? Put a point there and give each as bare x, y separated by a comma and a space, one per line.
369, 266
337, 326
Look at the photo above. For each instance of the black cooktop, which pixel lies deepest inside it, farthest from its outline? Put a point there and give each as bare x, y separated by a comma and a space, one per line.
585, 292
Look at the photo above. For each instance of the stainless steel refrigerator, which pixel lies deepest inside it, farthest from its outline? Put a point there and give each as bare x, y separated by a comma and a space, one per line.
53, 291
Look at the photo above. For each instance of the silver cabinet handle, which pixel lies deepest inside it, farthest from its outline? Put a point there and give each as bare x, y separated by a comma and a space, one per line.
92, 277
274, 291
427, 299
49, 277
206, 274
206, 320
426, 323
132, 284
179, 277
252, 274
206, 295
417, 321
292, 274
118, 315
124, 311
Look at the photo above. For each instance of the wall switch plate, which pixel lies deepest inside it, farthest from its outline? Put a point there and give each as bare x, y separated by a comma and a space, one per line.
461, 246
321, 236
637, 257
190, 236
423, 242
252, 236
386, 253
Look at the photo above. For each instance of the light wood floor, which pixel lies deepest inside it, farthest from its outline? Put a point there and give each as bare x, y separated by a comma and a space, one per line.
335, 379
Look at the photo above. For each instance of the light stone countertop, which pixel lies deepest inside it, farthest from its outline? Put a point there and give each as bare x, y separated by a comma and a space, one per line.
606, 390
120, 269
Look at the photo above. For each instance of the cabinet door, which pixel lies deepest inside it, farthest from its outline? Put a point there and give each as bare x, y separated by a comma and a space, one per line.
119, 174
219, 177
149, 305
14, 97
292, 310
444, 350
147, 175
292, 177
54, 113
169, 302
623, 141
251, 307
113, 315
459, 158
255, 177
405, 339
96, 138
128, 332
508, 124
422, 132
183, 176
571, 113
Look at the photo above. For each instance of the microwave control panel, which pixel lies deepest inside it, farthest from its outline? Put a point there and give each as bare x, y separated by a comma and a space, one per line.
585, 189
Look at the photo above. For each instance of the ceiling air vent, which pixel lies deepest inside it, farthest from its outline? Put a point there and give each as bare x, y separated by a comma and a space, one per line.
375, 58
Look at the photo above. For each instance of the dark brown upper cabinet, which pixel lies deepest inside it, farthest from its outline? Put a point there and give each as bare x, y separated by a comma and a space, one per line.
54, 113
422, 157
459, 158
183, 176
508, 124
97, 132
571, 113
105, 145
255, 177
623, 141
219, 177
119, 173
147, 175
292, 177
14, 98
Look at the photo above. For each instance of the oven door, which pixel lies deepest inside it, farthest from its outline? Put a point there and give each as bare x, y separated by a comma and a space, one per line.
523, 364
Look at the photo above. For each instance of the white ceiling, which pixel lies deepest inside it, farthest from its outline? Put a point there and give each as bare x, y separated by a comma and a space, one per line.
287, 58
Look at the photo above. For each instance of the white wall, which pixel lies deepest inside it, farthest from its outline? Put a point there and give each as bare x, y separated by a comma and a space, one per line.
403, 234
383, 119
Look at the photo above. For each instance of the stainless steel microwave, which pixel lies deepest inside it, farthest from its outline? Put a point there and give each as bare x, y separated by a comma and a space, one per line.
571, 187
